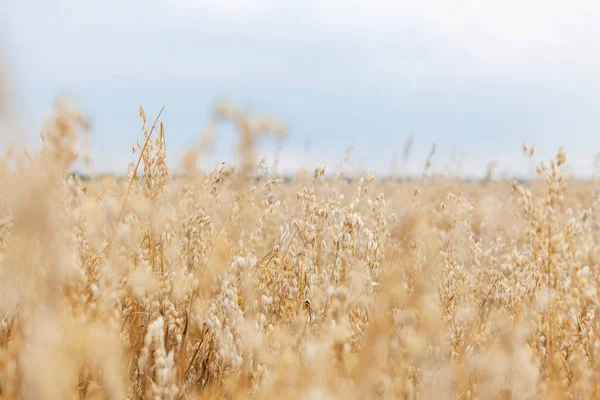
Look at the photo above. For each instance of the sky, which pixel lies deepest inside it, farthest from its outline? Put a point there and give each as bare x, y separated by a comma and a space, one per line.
478, 78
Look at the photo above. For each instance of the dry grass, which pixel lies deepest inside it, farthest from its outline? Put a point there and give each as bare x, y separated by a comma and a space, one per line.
216, 285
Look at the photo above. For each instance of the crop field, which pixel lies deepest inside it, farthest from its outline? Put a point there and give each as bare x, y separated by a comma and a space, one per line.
236, 283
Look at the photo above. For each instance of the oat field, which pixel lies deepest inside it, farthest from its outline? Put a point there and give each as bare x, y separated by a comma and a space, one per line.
236, 283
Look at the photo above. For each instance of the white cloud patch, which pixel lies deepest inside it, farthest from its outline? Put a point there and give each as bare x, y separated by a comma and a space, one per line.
545, 41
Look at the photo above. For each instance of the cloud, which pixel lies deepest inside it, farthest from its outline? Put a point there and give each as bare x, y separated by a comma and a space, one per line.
549, 42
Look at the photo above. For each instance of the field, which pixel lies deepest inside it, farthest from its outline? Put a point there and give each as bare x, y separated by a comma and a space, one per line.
234, 283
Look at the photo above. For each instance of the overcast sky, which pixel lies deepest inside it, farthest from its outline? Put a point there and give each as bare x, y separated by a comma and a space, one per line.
477, 77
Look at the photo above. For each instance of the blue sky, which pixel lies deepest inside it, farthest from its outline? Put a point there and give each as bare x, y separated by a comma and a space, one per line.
478, 78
